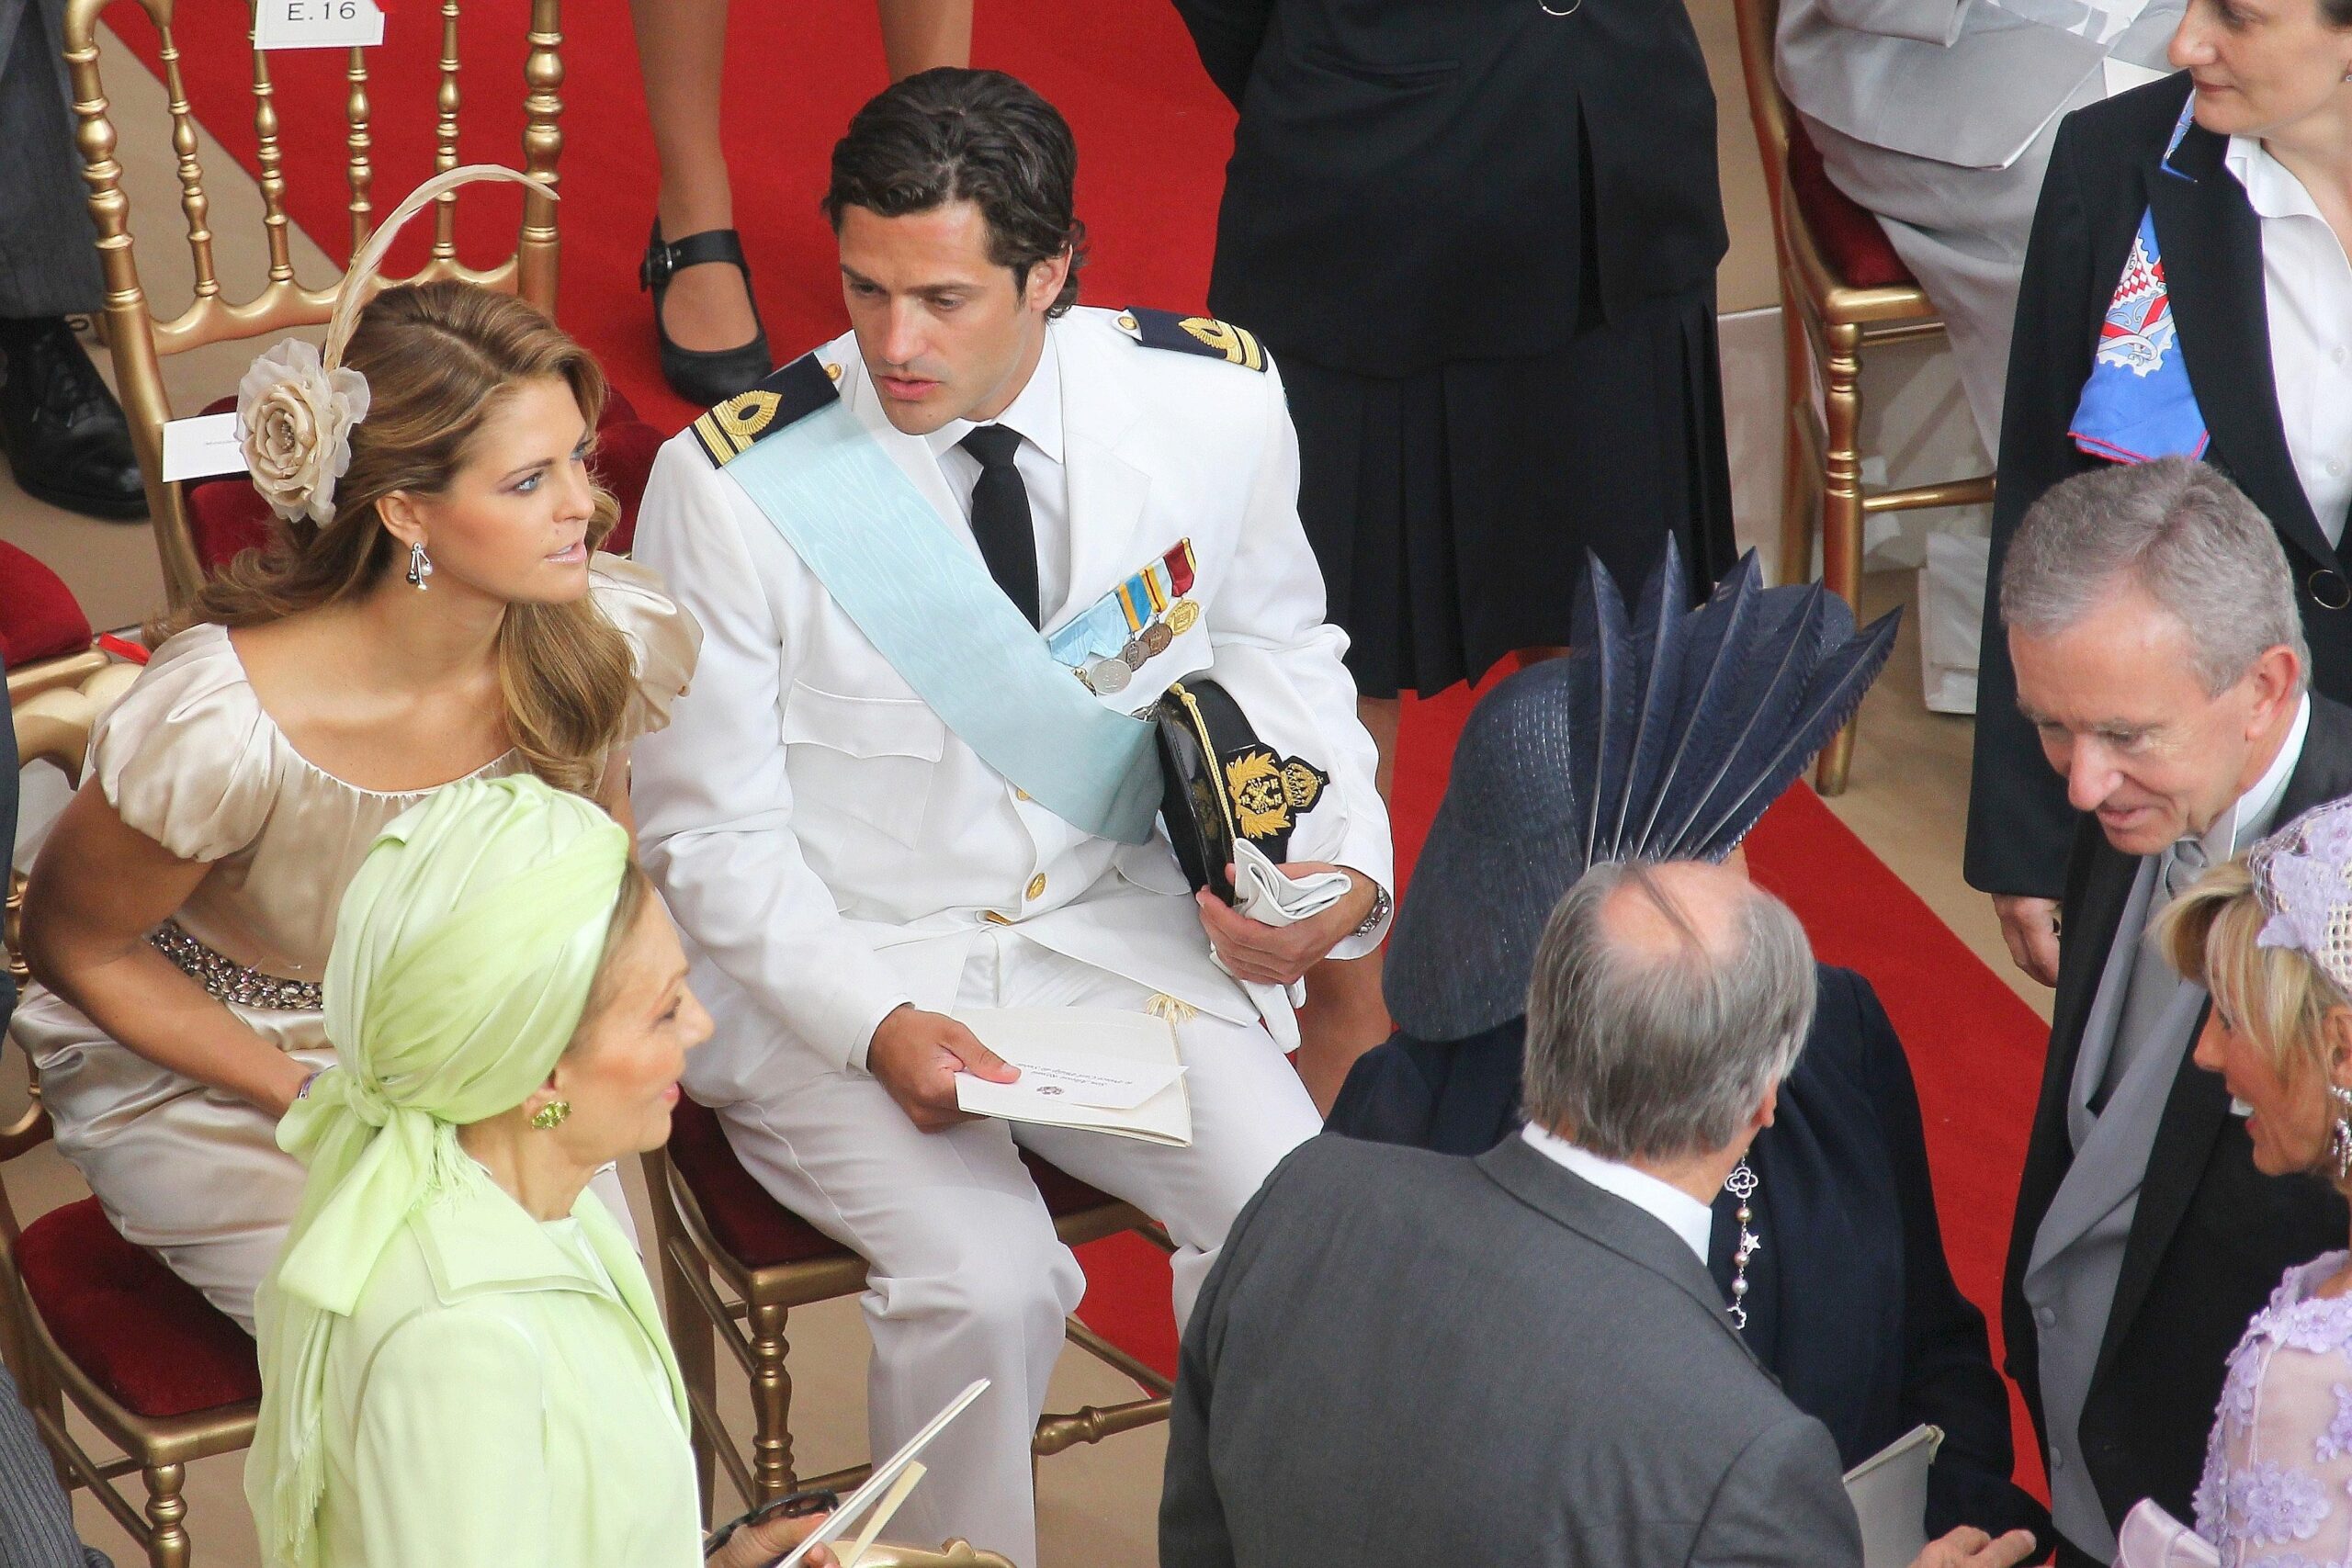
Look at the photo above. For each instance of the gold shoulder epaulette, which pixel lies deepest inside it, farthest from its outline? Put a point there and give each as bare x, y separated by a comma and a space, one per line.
1194, 335
793, 392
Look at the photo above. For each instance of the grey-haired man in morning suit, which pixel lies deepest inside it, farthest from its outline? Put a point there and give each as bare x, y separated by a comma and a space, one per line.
1407, 1358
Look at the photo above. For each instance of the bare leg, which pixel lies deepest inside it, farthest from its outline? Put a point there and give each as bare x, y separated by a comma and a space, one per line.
681, 50
919, 35
1343, 1017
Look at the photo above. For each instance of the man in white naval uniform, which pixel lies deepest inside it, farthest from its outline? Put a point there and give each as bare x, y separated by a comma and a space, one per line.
849, 844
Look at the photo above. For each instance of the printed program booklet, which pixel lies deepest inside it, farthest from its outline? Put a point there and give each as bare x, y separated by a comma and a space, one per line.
1096, 1069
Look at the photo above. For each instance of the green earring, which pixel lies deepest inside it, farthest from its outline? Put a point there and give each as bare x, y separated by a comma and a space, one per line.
551, 1114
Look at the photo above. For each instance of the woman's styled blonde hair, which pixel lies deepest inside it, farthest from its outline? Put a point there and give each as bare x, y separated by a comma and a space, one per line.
2275, 996
439, 358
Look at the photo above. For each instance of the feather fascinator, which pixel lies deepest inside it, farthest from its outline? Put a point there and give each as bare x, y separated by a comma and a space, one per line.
1663, 734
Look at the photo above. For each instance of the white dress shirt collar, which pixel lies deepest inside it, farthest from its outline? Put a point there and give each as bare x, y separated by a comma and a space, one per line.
2270, 187
1036, 412
1677, 1210
2250, 815
2307, 296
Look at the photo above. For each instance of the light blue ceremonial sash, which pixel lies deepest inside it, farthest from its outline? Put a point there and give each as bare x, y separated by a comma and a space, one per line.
931, 609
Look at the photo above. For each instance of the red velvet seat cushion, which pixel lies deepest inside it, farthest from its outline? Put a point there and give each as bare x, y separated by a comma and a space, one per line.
760, 1233
1852, 241
139, 1330
226, 514
38, 618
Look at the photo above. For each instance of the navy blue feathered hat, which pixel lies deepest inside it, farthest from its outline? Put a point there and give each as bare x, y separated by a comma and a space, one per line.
1663, 734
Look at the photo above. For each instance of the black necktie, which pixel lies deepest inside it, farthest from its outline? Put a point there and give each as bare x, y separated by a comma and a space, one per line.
1000, 516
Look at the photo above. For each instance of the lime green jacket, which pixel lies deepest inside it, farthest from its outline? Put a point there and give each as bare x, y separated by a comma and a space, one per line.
503, 1397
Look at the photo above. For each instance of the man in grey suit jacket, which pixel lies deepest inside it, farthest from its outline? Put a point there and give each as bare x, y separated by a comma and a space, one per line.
1939, 115
1407, 1358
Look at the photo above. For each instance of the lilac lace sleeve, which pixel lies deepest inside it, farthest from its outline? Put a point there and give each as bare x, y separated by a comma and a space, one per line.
2277, 1486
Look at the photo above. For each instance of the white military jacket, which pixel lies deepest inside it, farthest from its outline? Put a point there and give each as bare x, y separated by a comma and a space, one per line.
831, 849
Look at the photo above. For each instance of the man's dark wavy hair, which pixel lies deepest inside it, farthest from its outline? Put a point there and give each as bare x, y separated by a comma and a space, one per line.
978, 136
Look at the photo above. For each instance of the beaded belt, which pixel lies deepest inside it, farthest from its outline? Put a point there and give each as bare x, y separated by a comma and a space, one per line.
233, 982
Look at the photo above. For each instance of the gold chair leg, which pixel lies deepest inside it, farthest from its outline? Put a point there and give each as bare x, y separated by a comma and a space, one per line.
770, 1405
692, 1336
1797, 453
1841, 512
42, 1395
167, 1541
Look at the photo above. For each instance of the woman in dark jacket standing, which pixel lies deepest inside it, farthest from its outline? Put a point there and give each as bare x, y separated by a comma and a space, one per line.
1481, 237
2238, 168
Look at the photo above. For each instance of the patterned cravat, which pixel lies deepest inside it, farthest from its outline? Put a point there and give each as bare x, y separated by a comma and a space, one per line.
2183, 866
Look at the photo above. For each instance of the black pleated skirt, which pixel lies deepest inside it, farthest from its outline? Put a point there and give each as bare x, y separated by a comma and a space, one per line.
1450, 510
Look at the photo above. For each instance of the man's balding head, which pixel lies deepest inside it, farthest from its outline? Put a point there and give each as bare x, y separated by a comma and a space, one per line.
1664, 911
1668, 1002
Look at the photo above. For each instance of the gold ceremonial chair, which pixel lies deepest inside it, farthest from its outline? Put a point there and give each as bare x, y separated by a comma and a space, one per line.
1843, 289
67, 670
139, 337
736, 1262
42, 629
164, 1378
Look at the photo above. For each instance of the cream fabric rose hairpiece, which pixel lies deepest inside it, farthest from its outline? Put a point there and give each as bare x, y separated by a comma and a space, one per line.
297, 405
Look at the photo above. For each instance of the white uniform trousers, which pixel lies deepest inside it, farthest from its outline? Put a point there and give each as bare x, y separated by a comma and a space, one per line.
967, 1278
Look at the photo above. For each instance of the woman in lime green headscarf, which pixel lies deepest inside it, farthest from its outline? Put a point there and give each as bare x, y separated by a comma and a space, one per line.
462, 1363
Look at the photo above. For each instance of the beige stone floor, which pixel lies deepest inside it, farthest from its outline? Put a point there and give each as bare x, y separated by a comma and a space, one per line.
1096, 1505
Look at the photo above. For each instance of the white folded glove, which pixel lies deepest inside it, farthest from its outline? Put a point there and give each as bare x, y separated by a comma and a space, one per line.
1264, 893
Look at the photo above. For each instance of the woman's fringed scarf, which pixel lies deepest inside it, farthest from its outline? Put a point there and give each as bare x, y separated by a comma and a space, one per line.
463, 956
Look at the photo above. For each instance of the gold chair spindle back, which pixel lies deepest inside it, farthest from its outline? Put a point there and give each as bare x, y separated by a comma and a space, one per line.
139, 336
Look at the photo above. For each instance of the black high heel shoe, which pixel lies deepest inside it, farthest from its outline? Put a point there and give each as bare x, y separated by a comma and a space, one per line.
703, 376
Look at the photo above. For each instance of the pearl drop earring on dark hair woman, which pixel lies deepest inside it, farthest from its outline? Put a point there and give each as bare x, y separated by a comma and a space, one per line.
420, 566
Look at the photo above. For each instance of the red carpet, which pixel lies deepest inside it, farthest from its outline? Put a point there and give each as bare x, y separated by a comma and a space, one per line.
1154, 137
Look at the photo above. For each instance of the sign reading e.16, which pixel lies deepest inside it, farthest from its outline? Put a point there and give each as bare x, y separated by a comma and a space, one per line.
317, 23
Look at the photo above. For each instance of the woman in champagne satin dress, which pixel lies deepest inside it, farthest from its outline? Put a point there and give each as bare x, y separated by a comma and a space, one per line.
438, 615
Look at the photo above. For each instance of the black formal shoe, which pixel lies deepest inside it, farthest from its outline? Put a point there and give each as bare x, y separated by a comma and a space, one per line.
703, 376
67, 441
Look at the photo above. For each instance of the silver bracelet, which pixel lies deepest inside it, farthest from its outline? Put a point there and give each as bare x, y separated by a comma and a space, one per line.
1380, 905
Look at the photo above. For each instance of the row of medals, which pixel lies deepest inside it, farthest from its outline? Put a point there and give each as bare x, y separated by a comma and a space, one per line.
1109, 675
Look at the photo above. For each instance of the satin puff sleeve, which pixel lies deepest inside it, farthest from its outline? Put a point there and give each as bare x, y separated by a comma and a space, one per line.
186, 756
664, 637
